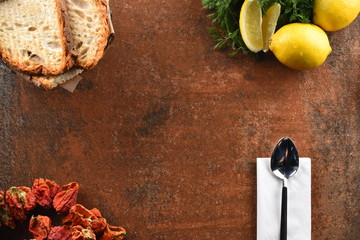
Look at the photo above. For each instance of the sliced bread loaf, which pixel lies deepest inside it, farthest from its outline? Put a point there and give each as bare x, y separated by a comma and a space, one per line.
90, 41
89, 24
33, 37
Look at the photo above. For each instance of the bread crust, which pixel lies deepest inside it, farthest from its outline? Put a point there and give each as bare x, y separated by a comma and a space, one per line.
67, 36
41, 68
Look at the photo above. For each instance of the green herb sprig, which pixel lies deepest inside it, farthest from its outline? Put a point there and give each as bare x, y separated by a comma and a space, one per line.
225, 17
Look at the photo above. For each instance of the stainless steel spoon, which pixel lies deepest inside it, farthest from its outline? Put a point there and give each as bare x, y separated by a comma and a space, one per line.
284, 164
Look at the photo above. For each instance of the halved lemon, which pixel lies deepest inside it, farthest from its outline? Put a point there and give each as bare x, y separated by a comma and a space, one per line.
269, 22
250, 25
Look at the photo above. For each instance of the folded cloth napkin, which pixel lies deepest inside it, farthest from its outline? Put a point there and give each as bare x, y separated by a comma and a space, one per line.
269, 189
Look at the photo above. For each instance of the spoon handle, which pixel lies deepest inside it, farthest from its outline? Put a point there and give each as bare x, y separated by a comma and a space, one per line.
283, 223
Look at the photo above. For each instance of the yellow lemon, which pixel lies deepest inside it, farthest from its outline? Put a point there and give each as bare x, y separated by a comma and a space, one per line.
333, 15
300, 46
269, 22
250, 25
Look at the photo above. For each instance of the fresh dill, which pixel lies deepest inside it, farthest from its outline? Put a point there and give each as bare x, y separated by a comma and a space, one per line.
225, 17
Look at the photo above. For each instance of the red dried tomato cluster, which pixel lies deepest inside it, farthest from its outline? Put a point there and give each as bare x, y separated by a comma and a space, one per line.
79, 223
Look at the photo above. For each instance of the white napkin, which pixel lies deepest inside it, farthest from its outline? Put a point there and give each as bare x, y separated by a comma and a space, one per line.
269, 189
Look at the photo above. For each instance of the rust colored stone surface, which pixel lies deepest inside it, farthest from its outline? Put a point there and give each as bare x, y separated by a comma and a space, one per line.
163, 134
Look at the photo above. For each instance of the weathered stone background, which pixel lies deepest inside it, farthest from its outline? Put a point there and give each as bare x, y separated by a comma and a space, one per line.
164, 133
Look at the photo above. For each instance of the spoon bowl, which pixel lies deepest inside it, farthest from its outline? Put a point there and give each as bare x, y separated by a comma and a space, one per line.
284, 159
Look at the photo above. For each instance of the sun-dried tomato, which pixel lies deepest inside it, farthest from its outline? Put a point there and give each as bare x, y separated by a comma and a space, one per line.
40, 227
99, 224
66, 197
79, 215
20, 201
44, 191
80, 233
113, 233
5, 218
60, 233
96, 212
53, 186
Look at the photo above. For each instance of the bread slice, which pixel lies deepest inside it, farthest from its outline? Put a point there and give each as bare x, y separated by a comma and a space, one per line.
90, 30
47, 82
32, 36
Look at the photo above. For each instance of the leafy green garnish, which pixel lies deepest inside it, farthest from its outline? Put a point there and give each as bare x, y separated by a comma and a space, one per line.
226, 13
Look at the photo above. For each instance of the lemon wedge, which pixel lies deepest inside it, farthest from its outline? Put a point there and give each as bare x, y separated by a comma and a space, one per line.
250, 22
269, 22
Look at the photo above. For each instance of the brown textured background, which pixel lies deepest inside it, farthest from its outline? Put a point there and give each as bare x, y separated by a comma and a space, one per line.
164, 133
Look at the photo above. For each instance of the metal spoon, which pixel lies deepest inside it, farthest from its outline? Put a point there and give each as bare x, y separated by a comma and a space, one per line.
284, 164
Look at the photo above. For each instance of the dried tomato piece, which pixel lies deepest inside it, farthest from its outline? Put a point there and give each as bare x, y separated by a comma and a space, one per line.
53, 187
5, 218
113, 233
96, 212
40, 227
66, 197
60, 233
44, 191
20, 201
98, 225
79, 215
80, 233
